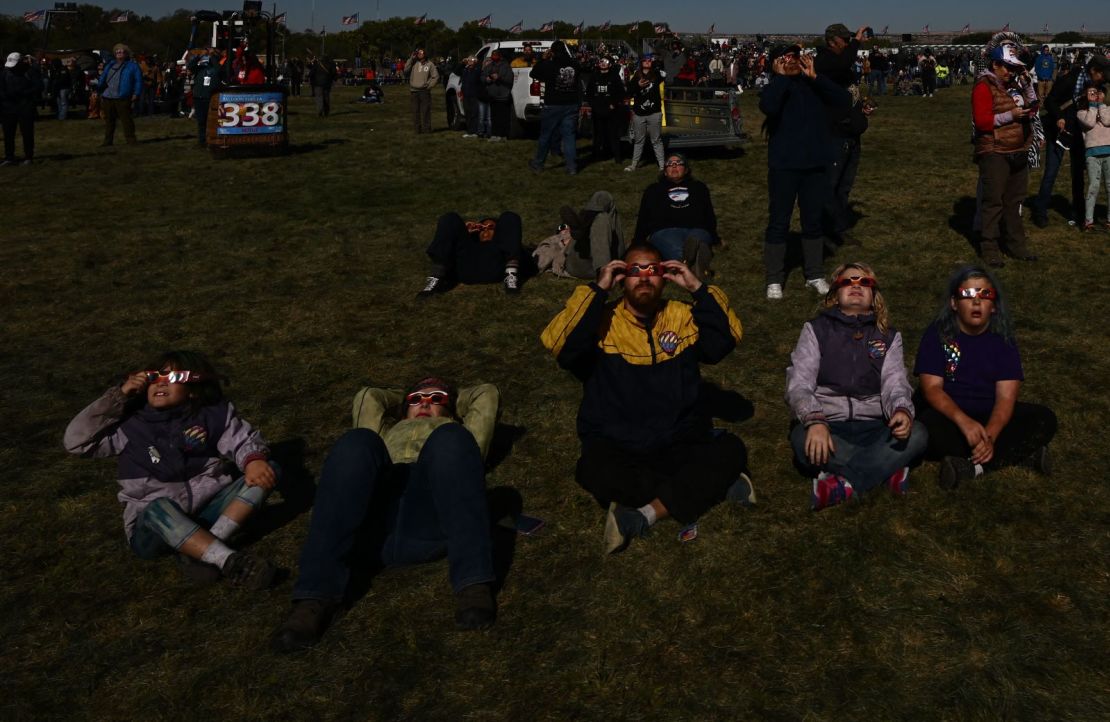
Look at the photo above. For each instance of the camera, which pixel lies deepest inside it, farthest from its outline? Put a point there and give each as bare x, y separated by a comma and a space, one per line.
868, 32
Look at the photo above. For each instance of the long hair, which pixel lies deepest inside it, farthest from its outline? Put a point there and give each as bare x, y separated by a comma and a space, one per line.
947, 323
203, 393
878, 302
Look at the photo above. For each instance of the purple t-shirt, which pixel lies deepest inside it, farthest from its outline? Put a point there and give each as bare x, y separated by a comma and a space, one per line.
970, 367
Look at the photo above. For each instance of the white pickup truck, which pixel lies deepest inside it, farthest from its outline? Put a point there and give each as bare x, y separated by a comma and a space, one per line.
526, 92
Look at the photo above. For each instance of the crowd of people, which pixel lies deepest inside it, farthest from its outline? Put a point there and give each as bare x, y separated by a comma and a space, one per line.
406, 484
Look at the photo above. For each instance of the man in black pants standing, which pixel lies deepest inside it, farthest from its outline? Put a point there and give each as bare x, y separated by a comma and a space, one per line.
481, 251
648, 449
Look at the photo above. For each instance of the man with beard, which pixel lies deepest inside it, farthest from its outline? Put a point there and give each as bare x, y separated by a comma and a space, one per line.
648, 448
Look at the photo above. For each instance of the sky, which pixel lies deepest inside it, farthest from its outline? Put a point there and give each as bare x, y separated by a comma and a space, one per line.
799, 16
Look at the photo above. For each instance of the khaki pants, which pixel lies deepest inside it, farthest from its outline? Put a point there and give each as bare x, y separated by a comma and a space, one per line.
1005, 179
114, 109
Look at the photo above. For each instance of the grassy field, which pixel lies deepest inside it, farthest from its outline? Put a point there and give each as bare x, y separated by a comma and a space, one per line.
298, 274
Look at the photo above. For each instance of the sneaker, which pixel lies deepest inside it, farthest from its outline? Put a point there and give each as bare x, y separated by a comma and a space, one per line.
622, 525
474, 607
247, 570
830, 490
899, 481
629, 168
432, 284
304, 626
6, 162
953, 470
1088, 225
28, 161
742, 491
470, 135
818, 284
774, 291
511, 283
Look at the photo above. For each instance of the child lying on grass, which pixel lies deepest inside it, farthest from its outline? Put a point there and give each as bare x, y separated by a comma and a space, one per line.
172, 429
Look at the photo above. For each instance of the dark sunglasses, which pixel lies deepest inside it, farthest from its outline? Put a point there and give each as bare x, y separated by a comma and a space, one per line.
863, 281
436, 398
987, 294
174, 377
634, 270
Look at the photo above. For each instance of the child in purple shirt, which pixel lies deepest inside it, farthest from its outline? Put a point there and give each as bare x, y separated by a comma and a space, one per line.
970, 373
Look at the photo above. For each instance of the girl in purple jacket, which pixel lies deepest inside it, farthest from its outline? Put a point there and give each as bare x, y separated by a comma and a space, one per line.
174, 434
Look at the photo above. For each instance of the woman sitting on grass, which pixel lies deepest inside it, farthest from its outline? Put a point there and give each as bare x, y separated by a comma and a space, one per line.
847, 388
172, 429
970, 372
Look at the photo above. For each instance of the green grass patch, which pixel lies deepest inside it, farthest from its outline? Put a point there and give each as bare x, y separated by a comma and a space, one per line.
298, 275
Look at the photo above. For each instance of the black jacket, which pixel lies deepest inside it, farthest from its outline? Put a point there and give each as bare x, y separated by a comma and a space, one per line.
605, 91
666, 204
18, 90
560, 80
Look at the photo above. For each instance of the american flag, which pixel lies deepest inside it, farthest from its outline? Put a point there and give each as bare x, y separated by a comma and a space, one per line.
925, 29
885, 29
1083, 28
33, 16
280, 19
548, 27
485, 22
1006, 28
712, 29
121, 17
966, 28
421, 20
660, 27
605, 26
1045, 28
578, 28
349, 19
518, 28
633, 26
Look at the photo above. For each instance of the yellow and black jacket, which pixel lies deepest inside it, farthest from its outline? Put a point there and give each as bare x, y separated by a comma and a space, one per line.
640, 383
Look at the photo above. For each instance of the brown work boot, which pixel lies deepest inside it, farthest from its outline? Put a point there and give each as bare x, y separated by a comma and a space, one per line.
474, 607
304, 626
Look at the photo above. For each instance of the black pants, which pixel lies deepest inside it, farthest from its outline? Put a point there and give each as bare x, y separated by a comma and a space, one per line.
473, 115
200, 113
607, 136
499, 112
842, 176
928, 84
1031, 427
457, 253
25, 121
689, 477
809, 187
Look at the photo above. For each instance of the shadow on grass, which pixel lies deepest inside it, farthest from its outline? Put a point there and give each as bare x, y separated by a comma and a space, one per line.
961, 220
504, 437
296, 487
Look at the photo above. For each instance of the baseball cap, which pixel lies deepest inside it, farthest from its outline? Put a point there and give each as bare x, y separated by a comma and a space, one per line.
779, 50
13, 58
1007, 54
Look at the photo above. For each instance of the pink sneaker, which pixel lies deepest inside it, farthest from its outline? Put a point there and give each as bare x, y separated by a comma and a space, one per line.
830, 490
899, 481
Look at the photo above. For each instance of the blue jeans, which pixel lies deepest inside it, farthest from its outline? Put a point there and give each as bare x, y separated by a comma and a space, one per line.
669, 241
878, 78
866, 452
416, 512
1054, 158
557, 120
63, 103
164, 526
484, 126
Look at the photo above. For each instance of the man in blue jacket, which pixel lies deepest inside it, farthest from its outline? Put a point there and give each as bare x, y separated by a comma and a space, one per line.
1045, 67
120, 85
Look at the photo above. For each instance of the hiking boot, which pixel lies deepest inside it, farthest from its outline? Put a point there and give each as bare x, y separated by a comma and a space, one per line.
196, 571
249, 571
774, 291
511, 283
830, 490
1021, 251
432, 284
899, 482
818, 284
474, 607
988, 251
304, 626
742, 491
953, 470
622, 525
